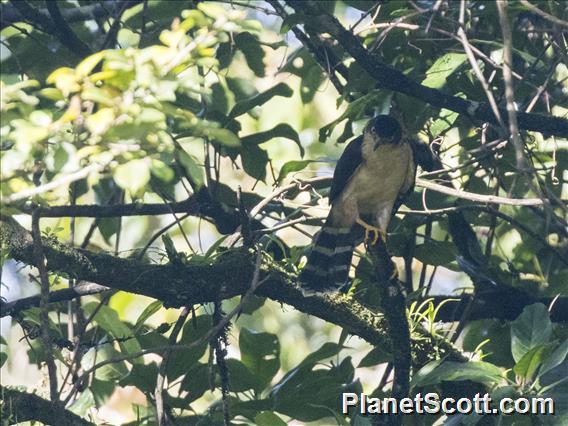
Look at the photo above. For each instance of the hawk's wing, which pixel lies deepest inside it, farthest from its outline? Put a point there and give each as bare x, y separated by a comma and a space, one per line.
346, 166
411, 177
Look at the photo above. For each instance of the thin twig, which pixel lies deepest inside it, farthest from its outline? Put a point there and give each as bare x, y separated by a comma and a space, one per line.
543, 14
492, 199
508, 78
160, 379
41, 264
72, 177
473, 62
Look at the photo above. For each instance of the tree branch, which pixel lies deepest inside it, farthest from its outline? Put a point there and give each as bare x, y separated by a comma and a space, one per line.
393, 304
83, 289
64, 32
19, 407
40, 262
543, 14
482, 198
12, 13
65, 180
228, 276
508, 79
26, 12
392, 79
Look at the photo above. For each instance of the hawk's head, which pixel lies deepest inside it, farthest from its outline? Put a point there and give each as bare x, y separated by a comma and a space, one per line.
382, 130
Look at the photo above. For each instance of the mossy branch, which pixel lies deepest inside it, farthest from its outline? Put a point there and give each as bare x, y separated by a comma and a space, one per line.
19, 407
226, 276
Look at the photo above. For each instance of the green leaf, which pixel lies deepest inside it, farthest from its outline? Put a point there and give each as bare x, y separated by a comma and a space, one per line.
253, 304
161, 170
436, 253
241, 378
83, 403
192, 169
311, 82
211, 251
109, 321
268, 418
196, 382
218, 99
308, 394
142, 376
291, 167
150, 115
148, 311
102, 391
254, 161
532, 328
225, 53
282, 130
223, 136
87, 65
444, 122
246, 105
184, 359
444, 66
377, 356
113, 370
555, 377
108, 226
99, 122
326, 350
251, 48
260, 352
530, 362
27, 133
437, 371
132, 176
556, 357
354, 111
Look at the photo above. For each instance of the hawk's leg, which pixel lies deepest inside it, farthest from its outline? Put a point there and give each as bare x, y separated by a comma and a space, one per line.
370, 229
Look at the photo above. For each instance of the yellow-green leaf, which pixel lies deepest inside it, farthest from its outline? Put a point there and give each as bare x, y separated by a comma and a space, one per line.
88, 64
132, 176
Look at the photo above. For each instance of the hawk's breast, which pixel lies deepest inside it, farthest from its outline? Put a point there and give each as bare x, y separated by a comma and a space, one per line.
382, 176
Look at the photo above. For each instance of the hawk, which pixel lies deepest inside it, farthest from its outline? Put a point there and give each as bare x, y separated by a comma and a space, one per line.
372, 177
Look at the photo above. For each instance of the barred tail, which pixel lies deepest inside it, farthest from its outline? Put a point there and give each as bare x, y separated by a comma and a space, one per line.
328, 263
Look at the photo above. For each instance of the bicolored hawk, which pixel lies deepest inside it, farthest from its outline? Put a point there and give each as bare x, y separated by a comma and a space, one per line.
374, 173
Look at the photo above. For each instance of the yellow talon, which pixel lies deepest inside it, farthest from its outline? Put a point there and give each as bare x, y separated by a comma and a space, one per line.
377, 232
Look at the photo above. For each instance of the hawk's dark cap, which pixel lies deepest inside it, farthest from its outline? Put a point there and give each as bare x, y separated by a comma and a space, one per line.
385, 126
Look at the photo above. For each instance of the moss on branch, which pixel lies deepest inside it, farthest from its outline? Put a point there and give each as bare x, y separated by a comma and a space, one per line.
228, 275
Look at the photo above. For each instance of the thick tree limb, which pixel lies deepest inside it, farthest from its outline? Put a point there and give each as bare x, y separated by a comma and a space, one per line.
228, 276
19, 407
392, 79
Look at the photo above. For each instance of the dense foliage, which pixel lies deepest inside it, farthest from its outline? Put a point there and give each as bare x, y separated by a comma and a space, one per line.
162, 175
